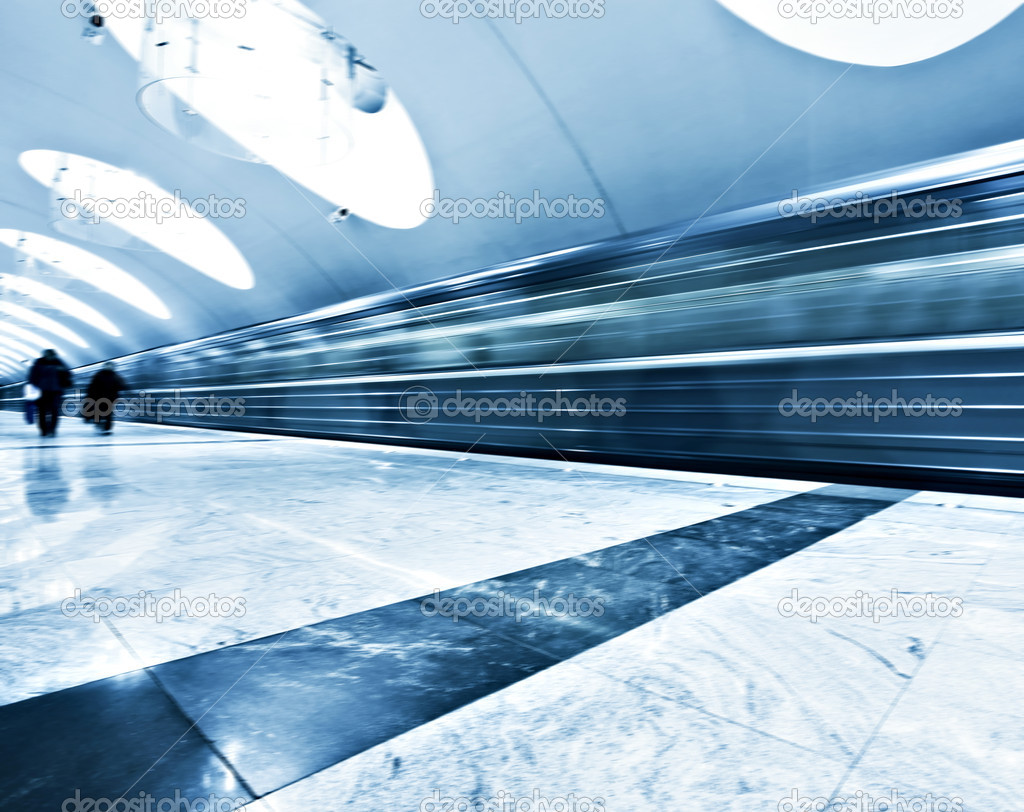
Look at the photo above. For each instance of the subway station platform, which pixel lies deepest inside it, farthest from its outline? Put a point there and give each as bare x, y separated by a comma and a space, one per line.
299, 624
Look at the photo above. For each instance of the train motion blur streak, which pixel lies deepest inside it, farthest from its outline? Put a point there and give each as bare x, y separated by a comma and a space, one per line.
756, 344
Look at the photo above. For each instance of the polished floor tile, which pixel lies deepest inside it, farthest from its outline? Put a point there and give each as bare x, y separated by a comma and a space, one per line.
336, 683
106, 740
566, 737
947, 742
156, 509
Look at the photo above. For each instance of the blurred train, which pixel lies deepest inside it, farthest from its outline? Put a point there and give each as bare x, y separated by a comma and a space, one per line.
858, 335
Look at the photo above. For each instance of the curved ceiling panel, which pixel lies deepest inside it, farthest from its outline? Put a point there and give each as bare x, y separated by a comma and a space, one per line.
882, 34
87, 267
44, 323
97, 195
58, 300
16, 353
29, 338
16, 348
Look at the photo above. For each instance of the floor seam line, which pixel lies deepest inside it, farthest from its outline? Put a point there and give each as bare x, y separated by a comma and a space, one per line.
896, 700
192, 723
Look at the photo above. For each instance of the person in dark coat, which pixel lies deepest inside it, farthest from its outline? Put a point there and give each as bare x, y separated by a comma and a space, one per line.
104, 389
51, 377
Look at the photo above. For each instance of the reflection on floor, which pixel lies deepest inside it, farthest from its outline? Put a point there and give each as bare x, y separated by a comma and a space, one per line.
202, 615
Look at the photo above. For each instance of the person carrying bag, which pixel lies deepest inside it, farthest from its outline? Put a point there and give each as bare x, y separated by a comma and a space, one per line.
31, 395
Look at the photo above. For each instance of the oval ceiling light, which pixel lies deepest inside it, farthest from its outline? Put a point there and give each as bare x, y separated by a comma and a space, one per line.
15, 352
20, 367
25, 336
880, 34
44, 323
22, 350
11, 366
58, 300
96, 271
17, 349
386, 175
12, 372
94, 201
387, 178
270, 85
17, 361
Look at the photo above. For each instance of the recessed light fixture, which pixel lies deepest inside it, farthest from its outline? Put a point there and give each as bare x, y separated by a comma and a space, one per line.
75, 262
281, 87
161, 221
876, 34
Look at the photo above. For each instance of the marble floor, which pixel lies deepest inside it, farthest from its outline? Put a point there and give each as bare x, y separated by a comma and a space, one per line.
201, 620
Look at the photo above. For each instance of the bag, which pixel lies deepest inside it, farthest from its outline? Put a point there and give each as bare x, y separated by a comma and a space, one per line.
30, 412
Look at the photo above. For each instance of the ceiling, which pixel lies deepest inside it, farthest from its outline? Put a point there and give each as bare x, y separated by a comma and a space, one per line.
662, 109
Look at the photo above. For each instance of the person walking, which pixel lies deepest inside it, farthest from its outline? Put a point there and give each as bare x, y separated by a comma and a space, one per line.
51, 377
104, 389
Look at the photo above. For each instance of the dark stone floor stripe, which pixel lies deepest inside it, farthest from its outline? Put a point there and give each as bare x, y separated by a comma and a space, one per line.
99, 741
289, 705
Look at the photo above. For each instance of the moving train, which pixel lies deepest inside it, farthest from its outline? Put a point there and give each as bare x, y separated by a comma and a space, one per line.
869, 333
